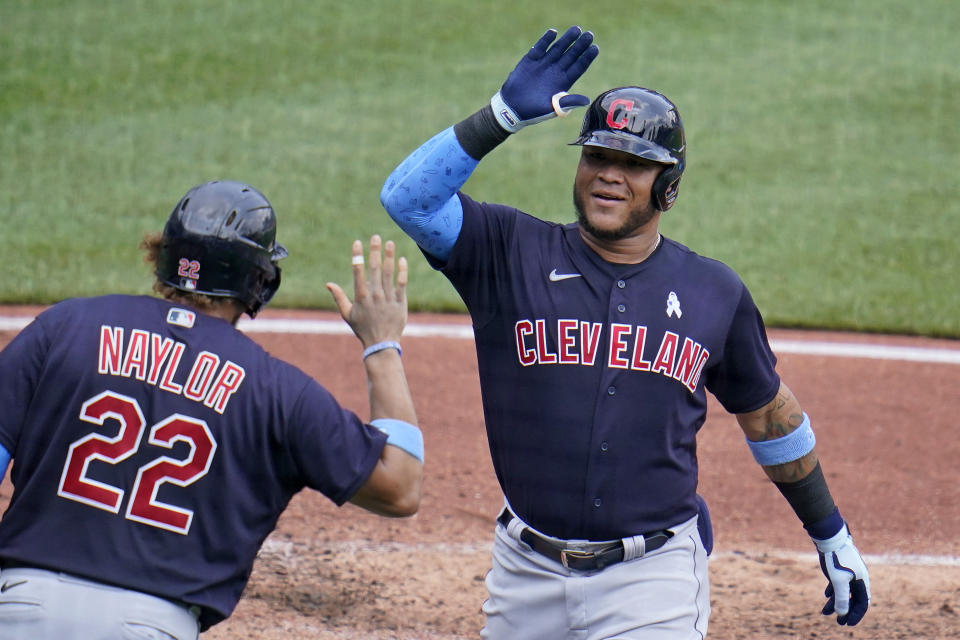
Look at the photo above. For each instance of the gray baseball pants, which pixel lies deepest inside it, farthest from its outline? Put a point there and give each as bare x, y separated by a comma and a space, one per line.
660, 595
46, 605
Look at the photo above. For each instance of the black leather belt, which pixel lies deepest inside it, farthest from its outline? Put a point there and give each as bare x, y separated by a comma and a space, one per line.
579, 559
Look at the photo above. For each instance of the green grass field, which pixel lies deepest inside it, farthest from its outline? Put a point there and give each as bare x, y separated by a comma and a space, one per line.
823, 141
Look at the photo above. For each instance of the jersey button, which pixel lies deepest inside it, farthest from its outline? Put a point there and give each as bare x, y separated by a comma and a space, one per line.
596, 502
604, 446
611, 390
621, 284
621, 308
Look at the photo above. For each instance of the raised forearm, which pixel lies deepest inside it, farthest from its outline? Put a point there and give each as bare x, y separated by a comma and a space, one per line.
389, 393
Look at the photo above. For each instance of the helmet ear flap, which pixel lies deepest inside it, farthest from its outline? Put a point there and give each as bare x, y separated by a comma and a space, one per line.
666, 187
262, 293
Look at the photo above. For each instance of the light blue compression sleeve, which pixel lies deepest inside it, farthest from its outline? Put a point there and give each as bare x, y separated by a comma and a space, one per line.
4, 460
421, 193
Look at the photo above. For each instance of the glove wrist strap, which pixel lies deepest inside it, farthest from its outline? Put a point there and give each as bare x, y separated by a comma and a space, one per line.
506, 116
826, 528
834, 542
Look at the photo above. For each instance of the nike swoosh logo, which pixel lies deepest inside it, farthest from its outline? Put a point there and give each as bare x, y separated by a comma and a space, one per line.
557, 277
11, 585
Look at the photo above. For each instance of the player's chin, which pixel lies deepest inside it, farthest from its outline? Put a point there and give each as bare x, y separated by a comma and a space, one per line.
602, 227
608, 219
602, 217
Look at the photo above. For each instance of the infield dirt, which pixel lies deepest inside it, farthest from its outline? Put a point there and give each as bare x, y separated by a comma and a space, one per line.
885, 437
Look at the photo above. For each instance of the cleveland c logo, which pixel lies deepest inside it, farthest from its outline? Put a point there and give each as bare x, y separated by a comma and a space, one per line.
620, 122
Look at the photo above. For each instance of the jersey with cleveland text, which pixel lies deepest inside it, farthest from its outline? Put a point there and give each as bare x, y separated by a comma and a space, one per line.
161, 445
593, 374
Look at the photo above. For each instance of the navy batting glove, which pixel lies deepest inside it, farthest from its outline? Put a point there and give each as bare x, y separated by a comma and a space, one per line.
848, 591
536, 89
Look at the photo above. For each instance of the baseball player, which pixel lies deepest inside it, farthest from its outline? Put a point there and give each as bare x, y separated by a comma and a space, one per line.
154, 446
596, 343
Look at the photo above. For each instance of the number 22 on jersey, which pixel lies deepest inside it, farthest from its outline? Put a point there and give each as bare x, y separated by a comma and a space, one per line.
143, 506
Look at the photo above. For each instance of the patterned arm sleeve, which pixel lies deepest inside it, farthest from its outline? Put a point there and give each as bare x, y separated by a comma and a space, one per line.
421, 193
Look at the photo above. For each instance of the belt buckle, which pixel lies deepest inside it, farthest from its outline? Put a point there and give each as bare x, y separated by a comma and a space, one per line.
577, 554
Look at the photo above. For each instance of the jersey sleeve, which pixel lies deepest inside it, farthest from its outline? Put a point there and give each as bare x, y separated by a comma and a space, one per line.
21, 364
479, 262
334, 450
745, 378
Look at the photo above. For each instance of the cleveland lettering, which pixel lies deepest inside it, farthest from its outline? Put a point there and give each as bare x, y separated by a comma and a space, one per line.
630, 347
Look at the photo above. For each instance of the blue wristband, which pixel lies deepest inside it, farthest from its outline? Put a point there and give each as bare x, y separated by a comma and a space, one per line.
402, 434
380, 346
790, 447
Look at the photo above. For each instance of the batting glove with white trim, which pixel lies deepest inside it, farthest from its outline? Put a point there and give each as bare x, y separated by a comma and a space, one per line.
536, 89
848, 592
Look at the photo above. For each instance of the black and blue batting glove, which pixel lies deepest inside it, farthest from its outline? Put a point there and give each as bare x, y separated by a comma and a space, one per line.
536, 89
848, 590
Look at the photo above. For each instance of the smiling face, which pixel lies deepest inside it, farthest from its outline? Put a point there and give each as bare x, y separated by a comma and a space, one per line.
611, 192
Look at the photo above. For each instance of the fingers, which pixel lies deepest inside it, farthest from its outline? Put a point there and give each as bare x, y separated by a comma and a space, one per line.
389, 250
376, 266
574, 51
579, 65
852, 610
340, 299
577, 48
561, 45
402, 275
383, 268
859, 602
841, 586
541, 46
359, 273
572, 100
841, 602
391, 267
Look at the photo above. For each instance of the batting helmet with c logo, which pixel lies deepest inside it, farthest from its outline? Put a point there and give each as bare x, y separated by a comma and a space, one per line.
644, 123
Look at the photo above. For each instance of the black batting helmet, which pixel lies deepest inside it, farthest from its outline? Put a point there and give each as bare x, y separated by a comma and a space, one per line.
220, 240
644, 123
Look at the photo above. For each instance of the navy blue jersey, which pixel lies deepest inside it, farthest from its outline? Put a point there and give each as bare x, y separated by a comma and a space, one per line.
593, 375
160, 446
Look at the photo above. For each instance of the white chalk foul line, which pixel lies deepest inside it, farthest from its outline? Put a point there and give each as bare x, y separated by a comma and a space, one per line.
287, 548
465, 332
801, 347
878, 351
908, 559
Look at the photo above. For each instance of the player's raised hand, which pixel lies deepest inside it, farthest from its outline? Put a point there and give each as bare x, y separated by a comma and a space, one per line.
536, 89
378, 312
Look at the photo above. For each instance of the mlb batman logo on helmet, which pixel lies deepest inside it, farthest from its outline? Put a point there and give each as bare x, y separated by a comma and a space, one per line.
644, 123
